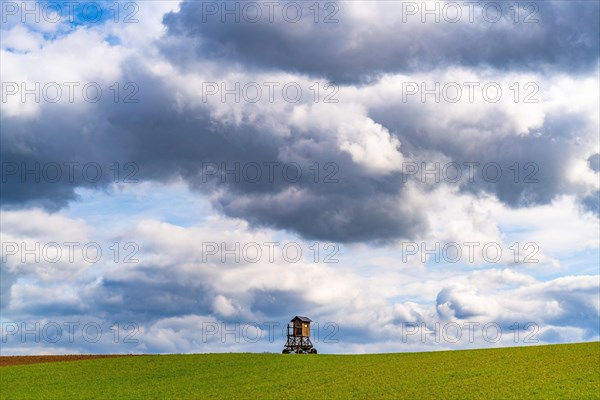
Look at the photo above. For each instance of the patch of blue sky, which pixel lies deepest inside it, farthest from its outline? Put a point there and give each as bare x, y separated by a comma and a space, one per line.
121, 206
579, 263
85, 12
584, 262
113, 40
54, 19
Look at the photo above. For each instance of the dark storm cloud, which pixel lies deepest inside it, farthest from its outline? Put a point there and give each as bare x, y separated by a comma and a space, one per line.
352, 208
45, 159
358, 49
591, 203
159, 296
594, 162
165, 143
153, 293
167, 140
7, 280
337, 217
521, 170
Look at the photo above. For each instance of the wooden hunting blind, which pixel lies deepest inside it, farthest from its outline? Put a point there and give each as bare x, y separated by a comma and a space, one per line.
298, 336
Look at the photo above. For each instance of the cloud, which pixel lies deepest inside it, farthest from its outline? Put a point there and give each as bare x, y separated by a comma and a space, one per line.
328, 171
362, 142
174, 292
389, 37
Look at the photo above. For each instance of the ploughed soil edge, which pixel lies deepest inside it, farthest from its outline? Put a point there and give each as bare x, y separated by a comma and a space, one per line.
7, 361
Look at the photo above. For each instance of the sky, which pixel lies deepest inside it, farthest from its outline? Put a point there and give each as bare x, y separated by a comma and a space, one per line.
187, 176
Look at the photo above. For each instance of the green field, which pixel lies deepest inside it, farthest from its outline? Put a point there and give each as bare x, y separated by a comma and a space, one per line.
558, 371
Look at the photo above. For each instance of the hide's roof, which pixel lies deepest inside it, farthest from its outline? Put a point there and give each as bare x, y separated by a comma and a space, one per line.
301, 318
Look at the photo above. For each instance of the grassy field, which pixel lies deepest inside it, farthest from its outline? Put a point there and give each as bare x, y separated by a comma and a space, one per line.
558, 371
